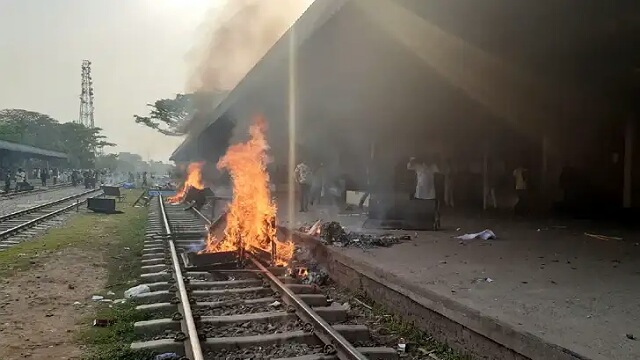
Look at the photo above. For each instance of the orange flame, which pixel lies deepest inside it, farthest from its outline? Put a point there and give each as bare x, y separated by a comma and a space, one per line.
251, 214
194, 179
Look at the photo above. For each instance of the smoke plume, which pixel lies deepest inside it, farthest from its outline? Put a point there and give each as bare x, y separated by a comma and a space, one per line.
236, 36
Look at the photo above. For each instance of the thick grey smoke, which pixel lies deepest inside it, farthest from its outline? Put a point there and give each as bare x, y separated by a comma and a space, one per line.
236, 36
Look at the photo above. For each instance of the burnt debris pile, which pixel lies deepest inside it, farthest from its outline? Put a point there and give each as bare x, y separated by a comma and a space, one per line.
332, 233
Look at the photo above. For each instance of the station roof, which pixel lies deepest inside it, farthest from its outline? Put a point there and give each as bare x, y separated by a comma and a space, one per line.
413, 70
32, 150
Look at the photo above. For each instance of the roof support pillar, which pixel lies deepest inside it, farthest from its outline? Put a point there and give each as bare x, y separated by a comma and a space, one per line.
629, 135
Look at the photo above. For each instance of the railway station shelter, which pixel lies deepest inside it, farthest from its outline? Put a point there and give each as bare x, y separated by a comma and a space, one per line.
13, 155
491, 85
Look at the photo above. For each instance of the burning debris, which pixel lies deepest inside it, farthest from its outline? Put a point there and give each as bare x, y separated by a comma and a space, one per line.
250, 217
313, 275
193, 180
333, 233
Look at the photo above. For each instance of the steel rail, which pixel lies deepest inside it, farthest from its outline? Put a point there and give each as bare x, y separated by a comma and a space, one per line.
45, 205
32, 222
14, 194
321, 328
194, 341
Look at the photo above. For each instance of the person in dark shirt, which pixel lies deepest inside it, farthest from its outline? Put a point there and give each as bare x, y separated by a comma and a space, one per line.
43, 176
7, 180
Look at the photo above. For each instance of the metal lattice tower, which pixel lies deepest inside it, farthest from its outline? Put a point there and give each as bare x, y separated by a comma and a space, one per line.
86, 96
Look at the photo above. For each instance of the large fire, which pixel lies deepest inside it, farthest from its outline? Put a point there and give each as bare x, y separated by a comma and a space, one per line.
193, 180
250, 221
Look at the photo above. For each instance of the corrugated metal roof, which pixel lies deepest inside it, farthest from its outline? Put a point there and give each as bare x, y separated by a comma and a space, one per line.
6, 145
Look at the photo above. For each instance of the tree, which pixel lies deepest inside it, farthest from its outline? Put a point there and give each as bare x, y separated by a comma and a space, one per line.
41, 130
81, 142
108, 161
170, 116
30, 128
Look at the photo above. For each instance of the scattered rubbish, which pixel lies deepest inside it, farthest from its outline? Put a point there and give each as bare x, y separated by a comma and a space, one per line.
402, 346
603, 237
119, 301
275, 304
97, 297
631, 337
71, 286
333, 233
77, 303
362, 304
167, 356
479, 280
110, 293
101, 322
484, 235
346, 305
315, 228
319, 277
127, 248
136, 291
106, 300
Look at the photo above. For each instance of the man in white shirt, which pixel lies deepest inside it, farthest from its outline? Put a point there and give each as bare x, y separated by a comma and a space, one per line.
425, 182
21, 180
303, 178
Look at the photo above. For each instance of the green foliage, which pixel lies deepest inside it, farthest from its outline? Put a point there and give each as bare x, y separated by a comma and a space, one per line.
168, 115
41, 130
171, 116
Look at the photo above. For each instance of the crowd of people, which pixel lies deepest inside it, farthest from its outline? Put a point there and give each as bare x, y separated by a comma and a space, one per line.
433, 179
21, 180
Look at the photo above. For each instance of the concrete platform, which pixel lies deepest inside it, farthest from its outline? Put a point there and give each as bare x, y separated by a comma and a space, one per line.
543, 289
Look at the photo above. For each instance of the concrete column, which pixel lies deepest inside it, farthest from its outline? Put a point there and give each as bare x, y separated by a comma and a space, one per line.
628, 163
545, 162
485, 174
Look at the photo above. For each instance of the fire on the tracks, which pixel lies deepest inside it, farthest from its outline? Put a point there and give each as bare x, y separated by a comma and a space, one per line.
249, 223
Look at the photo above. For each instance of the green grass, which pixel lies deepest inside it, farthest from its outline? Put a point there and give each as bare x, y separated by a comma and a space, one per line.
124, 268
86, 230
119, 237
420, 343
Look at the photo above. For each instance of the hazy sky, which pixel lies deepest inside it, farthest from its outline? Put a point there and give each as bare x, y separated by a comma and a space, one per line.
137, 48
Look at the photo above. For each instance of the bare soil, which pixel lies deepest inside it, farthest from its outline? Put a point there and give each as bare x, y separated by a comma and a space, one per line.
38, 317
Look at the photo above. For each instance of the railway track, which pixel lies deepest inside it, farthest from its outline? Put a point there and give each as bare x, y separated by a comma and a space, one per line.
17, 227
13, 195
235, 306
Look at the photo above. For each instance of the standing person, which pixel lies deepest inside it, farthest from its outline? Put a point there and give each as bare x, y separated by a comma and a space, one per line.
521, 174
303, 178
425, 182
7, 181
74, 178
21, 180
43, 176
144, 179
55, 176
